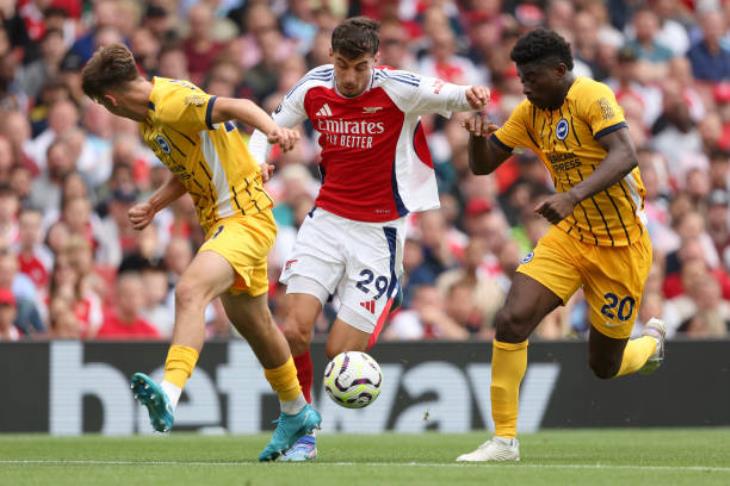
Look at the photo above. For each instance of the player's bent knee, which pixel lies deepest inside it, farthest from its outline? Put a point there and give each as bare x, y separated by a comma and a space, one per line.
510, 327
297, 336
189, 294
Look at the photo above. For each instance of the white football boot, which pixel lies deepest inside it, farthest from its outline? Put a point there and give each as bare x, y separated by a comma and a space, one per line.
654, 328
495, 449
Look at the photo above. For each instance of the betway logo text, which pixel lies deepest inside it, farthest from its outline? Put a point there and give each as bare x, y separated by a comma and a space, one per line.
231, 396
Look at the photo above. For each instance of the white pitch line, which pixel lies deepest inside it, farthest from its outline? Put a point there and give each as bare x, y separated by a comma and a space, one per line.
465, 466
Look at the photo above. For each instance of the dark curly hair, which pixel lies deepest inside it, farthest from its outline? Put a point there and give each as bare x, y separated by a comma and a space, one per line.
542, 45
356, 36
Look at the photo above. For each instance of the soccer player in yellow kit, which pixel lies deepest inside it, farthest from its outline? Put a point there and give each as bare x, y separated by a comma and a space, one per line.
598, 240
192, 134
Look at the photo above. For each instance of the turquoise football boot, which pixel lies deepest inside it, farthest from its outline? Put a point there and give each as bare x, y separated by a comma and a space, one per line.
289, 428
149, 394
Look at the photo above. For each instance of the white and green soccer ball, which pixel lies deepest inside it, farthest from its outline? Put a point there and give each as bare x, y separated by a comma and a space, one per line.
353, 379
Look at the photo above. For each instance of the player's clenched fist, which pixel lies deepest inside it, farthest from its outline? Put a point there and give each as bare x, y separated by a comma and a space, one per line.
557, 207
478, 96
286, 138
479, 126
140, 215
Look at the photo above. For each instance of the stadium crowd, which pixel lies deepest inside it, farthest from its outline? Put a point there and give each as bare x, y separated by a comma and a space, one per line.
72, 267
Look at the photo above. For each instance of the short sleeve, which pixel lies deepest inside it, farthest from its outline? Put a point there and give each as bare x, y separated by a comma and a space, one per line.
599, 108
514, 131
186, 106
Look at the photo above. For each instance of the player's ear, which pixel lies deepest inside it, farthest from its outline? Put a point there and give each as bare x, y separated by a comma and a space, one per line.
109, 99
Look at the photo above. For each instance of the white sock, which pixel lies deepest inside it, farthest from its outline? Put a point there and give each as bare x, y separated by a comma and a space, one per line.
173, 392
293, 407
509, 441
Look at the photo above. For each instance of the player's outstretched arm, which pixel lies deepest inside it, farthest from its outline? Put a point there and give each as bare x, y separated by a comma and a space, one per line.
142, 214
621, 160
484, 155
250, 113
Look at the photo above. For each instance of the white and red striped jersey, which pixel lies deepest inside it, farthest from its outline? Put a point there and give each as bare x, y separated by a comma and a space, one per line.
375, 161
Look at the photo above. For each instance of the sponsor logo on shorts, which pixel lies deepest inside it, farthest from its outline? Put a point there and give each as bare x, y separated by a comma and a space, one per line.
368, 305
528, 258
289, 263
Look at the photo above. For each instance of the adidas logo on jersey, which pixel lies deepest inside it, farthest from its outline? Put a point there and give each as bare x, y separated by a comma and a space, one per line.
324, 111
368, 305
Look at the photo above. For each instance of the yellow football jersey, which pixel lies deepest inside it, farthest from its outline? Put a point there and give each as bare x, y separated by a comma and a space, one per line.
566, 140
211, 160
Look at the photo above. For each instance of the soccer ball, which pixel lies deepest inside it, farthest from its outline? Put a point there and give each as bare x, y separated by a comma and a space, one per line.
353, 379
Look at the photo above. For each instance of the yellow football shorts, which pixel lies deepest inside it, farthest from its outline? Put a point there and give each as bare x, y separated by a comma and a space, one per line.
245, 242
612, 277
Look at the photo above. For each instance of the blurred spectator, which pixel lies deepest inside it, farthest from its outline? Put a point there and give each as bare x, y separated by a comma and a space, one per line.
710, 57
200, 48
127, 321
8, 332
35, 75
427, 319
34, 259
156, 310
27, 318
646, 42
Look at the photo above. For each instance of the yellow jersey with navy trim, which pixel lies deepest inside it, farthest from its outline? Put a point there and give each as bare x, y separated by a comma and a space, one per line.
566, 140
211, 160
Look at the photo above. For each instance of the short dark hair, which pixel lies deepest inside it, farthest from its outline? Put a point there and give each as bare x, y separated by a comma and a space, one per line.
109, 68
542, 45
356, 36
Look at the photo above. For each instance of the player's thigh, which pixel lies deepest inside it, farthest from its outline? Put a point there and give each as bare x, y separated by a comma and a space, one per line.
344, 337
367, 291
207, 276
546, 278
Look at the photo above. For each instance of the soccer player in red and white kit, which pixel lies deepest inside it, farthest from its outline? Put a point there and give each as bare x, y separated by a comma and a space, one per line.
376, 168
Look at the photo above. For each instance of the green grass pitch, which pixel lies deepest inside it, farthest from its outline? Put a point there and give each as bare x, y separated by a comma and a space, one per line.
635, 456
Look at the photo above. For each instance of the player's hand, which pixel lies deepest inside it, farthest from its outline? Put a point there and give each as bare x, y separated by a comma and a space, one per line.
557, 207
478, 97
286, 138
140, 215
479, 126
267, 170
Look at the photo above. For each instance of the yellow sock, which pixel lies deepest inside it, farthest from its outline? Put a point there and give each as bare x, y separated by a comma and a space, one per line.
635, 355
284, 381
180, 364
509, 362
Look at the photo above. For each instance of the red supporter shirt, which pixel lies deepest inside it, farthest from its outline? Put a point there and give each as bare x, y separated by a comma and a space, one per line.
114, 328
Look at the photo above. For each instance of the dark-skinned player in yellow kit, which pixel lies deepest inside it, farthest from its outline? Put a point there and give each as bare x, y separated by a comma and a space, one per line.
597, 240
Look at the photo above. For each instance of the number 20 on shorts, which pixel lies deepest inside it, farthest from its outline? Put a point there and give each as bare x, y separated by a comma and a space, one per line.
615, 306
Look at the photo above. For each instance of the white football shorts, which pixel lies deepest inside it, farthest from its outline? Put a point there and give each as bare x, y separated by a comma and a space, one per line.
357, 262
